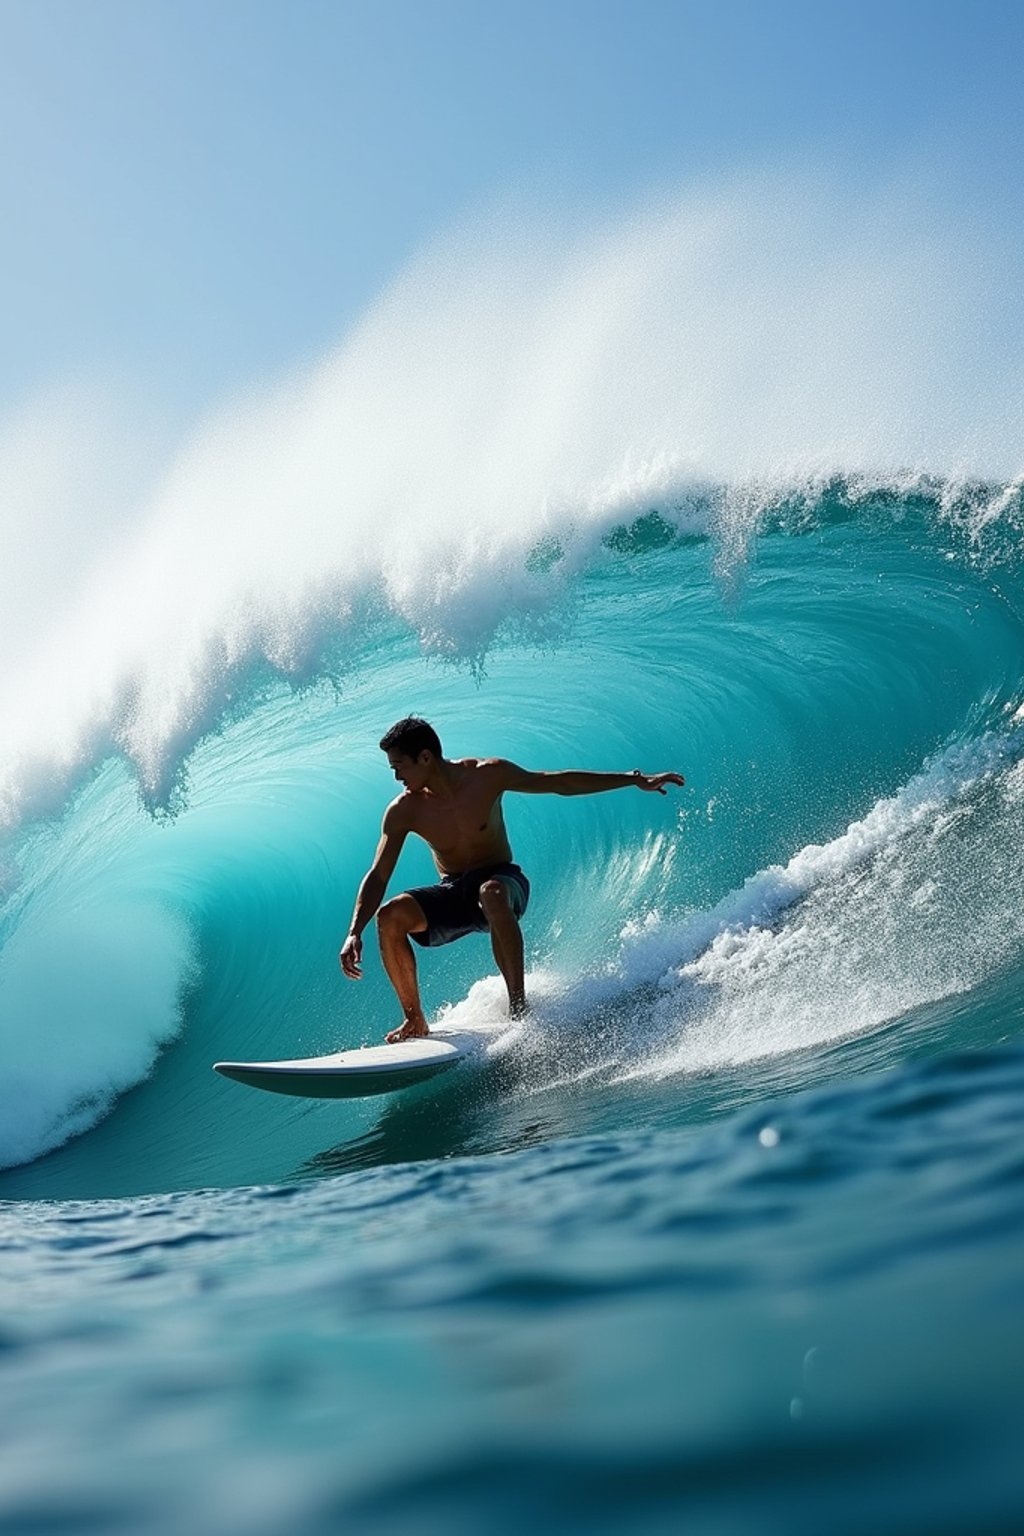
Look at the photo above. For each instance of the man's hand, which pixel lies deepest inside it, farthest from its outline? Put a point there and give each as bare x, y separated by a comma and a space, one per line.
657, 781
351, 957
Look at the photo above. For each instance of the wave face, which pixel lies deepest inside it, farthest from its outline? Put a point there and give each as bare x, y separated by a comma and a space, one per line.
836, 668
761, 1132
722, 487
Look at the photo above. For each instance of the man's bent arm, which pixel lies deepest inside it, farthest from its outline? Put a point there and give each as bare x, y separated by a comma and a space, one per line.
522, 781
372, 889
368, 899
375, 881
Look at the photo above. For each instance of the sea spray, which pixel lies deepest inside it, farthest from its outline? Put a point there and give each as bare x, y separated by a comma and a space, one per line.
514, 389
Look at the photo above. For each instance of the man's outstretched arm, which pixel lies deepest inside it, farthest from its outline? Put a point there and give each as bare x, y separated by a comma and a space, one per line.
522, 781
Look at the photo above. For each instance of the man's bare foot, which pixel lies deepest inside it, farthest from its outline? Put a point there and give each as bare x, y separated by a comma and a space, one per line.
411, 1029
518, 1007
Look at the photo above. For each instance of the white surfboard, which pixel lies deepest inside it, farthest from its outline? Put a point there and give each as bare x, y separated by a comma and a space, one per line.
360, 1073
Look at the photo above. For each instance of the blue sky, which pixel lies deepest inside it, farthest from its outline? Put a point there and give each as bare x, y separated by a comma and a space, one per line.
193, 194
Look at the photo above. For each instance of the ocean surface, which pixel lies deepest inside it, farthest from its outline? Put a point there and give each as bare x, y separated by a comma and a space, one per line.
728, 1236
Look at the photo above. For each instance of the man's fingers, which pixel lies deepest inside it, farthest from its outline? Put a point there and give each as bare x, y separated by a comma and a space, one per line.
350, 965
657, 780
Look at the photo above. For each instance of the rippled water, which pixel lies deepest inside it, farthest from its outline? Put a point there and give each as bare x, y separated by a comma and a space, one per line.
804, 1314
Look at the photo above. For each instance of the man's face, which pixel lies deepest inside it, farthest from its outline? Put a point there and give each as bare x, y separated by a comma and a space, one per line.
410, 771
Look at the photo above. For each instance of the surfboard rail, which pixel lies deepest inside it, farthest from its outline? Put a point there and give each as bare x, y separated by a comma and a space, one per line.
360, 1073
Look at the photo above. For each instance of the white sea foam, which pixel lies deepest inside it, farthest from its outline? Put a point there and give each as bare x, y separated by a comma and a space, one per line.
83, 1015
921, 898
521, 381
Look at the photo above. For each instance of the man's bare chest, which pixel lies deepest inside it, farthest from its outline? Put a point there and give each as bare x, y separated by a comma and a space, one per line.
463, 818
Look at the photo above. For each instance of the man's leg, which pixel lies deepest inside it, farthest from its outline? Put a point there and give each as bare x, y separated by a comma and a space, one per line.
506, 941
395, 921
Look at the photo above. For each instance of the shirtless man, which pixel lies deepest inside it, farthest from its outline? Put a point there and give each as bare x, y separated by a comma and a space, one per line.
456, 808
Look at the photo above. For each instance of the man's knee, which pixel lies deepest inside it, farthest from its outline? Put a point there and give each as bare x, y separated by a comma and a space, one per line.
494, 898
400, 915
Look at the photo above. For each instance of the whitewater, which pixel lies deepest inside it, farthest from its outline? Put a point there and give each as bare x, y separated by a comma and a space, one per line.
729, 1228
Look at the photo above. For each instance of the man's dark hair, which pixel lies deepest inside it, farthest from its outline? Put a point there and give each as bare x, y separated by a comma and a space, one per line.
411, 736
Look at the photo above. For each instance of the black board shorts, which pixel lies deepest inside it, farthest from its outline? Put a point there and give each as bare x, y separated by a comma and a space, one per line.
452, 908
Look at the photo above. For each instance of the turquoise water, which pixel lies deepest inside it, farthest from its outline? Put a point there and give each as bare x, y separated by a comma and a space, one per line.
727, 1237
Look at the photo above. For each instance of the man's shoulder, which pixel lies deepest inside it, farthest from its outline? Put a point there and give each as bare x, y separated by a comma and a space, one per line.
492, 775
483, 764
399, 813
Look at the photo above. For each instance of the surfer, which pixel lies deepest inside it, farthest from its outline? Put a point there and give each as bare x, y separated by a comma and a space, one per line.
455, 806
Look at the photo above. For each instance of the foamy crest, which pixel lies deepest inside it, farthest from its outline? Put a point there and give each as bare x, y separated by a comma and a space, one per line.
523, 386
